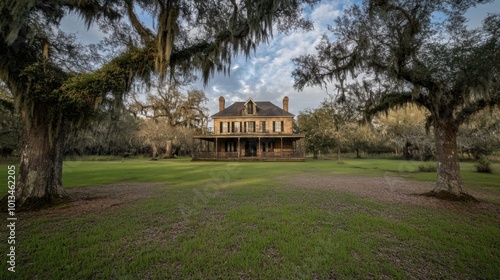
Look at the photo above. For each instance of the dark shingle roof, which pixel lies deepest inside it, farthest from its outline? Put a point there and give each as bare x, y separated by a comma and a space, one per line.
264, 109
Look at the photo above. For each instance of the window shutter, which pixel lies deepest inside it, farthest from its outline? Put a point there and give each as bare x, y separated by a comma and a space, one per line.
282, 127
274, 126
220, 127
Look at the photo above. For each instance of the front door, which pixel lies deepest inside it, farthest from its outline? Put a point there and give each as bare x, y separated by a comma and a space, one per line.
251, 148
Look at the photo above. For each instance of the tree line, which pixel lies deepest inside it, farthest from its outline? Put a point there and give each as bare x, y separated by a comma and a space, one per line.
162, 125
400, 132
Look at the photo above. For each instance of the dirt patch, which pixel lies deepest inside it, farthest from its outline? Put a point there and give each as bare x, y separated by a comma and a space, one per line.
387, 189
100, 198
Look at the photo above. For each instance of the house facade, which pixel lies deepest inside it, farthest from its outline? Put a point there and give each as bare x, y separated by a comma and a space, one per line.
251, 130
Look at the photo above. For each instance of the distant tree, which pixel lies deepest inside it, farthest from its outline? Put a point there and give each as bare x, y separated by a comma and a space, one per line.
480, 136
405, 131
173, 106
57, 88
319, 130
350, 129
110, 134
174, 114
154, 133
357, 136
418, 52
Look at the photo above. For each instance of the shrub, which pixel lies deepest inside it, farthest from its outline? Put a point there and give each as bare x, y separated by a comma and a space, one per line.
484, 166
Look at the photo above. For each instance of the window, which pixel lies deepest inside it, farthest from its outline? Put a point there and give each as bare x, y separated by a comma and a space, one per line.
262, 126
236, 127
278, 126
250, 108
224, 127
250, 126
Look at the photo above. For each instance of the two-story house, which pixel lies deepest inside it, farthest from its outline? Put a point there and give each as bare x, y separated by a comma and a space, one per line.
251, 130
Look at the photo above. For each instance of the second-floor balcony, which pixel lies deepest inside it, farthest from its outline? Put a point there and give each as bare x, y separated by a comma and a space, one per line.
210, 131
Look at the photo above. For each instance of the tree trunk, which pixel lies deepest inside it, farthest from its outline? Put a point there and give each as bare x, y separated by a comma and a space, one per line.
40, 174
154, 151
448, 168
407, 154
168, 149
315, 154
338, 155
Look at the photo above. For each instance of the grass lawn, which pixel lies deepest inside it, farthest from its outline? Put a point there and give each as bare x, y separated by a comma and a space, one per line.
206, 220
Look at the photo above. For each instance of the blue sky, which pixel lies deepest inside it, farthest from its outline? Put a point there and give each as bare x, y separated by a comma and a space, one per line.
266, 75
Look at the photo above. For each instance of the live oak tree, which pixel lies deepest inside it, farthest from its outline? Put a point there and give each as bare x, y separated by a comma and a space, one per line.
172, 105
56, 90
395, 53
9, 124
170, 115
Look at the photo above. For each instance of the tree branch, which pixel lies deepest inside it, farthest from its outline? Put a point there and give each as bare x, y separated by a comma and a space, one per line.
146, 34
475, 107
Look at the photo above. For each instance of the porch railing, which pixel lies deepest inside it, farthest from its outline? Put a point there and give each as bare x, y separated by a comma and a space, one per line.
234, 155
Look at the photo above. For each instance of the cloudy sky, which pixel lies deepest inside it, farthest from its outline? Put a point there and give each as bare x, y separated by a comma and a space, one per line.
266, 75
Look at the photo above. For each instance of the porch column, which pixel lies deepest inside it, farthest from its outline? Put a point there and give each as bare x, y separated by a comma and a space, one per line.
199, 149
259, 152
303, 143
239, 148
216, 147
281, 146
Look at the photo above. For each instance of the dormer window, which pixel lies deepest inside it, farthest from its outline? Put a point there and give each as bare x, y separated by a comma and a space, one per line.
250, 108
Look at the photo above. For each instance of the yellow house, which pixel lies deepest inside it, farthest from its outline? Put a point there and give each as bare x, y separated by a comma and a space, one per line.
251, 130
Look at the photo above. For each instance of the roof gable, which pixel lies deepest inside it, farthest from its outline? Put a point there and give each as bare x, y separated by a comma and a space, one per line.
263, 109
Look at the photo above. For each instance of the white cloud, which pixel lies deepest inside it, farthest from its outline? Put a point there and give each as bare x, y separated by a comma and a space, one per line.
266, 75
325, 13
215, 89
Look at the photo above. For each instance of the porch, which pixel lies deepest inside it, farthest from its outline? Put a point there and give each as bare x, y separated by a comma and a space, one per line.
249, 148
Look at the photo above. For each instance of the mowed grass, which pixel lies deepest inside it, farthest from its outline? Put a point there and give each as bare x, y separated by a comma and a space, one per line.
219, 220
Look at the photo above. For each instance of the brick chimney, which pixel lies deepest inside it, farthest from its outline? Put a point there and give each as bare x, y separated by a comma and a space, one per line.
222, 103
285, 103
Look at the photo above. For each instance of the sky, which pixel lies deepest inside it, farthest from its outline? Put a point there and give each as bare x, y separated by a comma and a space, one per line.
266, 75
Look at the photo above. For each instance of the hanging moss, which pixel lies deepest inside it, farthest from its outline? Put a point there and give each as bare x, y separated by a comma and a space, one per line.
85, 92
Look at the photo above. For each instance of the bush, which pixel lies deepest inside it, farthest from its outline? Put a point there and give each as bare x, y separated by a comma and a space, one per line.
427, 168
484, 166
